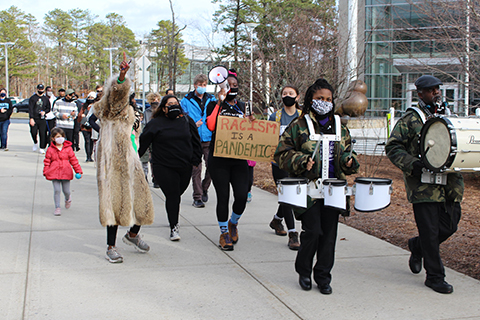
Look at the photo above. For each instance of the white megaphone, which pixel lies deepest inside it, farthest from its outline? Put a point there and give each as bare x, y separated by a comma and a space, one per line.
218, 75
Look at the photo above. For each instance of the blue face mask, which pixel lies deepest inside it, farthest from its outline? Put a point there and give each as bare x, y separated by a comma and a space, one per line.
201, 90
3, 95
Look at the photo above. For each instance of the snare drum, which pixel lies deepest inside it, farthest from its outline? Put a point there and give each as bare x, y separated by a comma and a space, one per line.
372, 194
448, 143
335, 193
292, 191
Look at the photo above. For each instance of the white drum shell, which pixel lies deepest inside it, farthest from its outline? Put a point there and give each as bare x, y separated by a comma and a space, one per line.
335, 196
367, 201
293, 194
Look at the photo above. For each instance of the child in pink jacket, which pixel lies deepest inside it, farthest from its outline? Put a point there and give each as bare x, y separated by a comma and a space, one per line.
58, 164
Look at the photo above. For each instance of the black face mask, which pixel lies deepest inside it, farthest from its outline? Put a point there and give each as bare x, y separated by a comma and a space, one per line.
40, 93
232, 94
90, 100
174, 111
154, 105
288, 101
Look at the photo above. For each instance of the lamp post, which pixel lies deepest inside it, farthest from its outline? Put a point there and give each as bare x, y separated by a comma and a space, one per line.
110, 50
6, 62
251, 26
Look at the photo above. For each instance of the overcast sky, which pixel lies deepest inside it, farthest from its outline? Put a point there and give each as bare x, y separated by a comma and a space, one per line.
141, 16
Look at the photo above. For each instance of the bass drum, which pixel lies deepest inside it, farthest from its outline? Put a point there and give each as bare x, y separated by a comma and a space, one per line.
451, 144
372, 194
292, 192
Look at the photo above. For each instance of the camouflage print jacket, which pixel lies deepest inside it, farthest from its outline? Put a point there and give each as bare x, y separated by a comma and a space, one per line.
294, 149
403, 149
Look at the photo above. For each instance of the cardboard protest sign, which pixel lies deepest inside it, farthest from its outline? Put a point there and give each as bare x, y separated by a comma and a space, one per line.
241, 138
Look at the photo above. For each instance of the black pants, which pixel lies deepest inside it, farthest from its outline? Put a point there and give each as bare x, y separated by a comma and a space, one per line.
225, 171
50, 125
436, 222
283, 211
76, 134
319, 235
250, 177
87, 136
69, 136
112, 233
173, 182
40, 129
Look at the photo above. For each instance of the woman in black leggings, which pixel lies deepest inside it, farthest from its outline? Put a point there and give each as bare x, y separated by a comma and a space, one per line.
176, 148
226, 171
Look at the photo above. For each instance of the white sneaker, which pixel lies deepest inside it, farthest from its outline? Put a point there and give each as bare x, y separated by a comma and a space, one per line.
35, 147
42, 151
174, 234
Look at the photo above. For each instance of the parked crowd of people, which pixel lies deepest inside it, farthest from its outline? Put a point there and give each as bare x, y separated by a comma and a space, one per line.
173, 138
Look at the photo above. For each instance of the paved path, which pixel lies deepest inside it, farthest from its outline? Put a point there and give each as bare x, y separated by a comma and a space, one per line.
54, 267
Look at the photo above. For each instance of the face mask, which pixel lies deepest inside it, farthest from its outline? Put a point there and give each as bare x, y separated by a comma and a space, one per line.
90, 100
59, 140
49, 93
3, 95
174, 111
201, 90
40, 93
322, 107
232, 94
154, 105
288, 101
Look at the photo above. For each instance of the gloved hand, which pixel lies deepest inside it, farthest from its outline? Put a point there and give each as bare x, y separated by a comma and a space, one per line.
417, 168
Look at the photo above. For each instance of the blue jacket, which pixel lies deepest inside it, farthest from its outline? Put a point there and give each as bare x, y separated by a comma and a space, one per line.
191, 107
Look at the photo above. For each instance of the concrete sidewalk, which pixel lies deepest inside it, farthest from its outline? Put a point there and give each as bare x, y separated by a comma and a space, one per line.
54, 267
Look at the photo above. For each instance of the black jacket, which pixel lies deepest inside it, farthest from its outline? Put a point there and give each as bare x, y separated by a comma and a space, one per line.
175, 142
6, 104
36, 104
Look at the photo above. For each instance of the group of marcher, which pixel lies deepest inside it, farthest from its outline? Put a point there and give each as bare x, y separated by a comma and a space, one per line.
173, 136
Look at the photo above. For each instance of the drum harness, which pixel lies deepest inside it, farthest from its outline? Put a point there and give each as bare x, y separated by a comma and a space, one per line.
315, 189
427, 176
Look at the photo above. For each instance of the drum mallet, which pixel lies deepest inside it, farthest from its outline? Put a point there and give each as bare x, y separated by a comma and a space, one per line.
430, 143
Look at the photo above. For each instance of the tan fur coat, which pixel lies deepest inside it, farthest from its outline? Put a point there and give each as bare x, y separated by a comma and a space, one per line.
124, 195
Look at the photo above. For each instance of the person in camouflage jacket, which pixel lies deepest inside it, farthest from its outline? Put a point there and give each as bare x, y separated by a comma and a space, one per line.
436, 207
294, 155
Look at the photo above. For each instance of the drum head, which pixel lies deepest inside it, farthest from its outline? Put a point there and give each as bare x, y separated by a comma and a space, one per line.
378, 181
436, 144
292, 180
335, 182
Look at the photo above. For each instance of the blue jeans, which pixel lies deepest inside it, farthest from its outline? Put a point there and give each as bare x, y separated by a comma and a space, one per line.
3, 132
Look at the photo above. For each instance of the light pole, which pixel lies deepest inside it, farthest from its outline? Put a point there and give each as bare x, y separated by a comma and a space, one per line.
110, 50
251, 26
6, 62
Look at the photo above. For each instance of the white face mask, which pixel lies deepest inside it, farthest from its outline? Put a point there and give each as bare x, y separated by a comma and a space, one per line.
49, 93
322, 107
60, 140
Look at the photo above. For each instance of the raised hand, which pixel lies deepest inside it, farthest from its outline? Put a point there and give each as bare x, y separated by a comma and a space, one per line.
124, 66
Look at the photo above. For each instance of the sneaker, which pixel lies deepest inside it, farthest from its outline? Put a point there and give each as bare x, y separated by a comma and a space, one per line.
198, 204
68, 203
277, 225
35, 147
57, 212
225, 242
42, 151
293, 242
249, 197
137, 242
233, 231
114, 256
6, 149
174, 235
205, 196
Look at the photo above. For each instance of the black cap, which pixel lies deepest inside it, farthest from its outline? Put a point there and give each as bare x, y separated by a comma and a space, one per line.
427, 81
40, 87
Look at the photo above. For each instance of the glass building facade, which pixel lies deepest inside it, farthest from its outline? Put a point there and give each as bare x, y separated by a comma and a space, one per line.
403, 42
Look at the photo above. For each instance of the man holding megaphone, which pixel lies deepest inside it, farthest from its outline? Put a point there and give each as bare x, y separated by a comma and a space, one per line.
195, 105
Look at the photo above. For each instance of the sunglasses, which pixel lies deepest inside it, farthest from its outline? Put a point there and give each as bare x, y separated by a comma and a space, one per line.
99, 91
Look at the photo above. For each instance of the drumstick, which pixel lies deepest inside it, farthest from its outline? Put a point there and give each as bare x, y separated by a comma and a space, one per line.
351, 148
316, 150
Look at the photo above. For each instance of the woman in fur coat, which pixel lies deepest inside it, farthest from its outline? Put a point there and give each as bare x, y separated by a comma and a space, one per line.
124, 195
